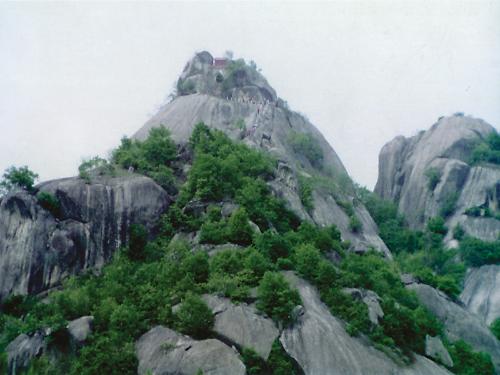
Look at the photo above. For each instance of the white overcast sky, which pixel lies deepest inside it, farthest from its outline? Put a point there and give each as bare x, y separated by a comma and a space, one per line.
75, 77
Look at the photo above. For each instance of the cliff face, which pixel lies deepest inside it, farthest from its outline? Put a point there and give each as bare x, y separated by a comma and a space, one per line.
459, 323
481, 294
320, 344
38, 250
238, 101
430, 171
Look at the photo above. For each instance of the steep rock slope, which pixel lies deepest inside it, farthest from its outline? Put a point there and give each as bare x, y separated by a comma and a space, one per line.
38, 250
426, 172
481, 294
321, 346
459, 323
238, 100
163, 351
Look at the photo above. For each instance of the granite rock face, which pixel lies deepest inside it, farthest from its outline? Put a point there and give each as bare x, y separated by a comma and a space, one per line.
246, 108
444, 150
80, 329
242, 325
22, 350
435, 349
162, 351
481, 293
38, 250
459, 323
321, 346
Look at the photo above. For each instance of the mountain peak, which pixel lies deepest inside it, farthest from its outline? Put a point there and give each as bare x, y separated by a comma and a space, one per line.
224, 77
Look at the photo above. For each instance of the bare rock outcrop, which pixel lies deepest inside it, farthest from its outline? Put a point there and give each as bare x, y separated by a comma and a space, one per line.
162, 351
246, 108
435, 349
22, 350
80, 329
481, 293
321, 346
459, 323
407, 167
38, 250
242, 325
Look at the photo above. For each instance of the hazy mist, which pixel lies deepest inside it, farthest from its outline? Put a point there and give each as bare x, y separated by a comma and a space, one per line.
75, 77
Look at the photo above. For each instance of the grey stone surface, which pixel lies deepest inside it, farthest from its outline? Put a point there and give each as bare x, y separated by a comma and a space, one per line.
272, 123
370, 299
481, 293
459, 323
166, 352
435, 349
37, 250
22, 350
321, 346
80, 329
447, 147
242, 325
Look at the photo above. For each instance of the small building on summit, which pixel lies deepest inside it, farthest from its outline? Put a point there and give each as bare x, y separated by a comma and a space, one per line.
219, 63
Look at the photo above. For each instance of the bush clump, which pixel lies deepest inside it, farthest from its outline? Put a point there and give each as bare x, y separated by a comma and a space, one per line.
487, 151
433, 178
14, 177
477, 252
195, 317
152, 157
50, 203
276, 298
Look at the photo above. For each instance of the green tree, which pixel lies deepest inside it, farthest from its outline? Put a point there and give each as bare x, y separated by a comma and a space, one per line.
14, 177
307, 259
238, 229
276, 298
158, 148
89, 164
433, 177
355, 224
195, 317
468, 362
437, 225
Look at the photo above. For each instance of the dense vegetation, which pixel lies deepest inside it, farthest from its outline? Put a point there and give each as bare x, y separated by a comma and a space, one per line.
145, 280
420, 253
468, 362
488, 150
476, 252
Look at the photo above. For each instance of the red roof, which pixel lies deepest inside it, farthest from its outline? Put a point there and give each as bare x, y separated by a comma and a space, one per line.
220, 62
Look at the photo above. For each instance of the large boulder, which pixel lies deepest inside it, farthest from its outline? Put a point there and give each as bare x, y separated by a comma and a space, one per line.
266, 123
38, 250
321, 346
459, 323
481, 293
80, 329
242, 325
22, 350
162, 351
435, 349
444, 150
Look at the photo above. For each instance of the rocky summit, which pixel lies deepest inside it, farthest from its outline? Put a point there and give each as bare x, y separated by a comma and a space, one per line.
433, 174
226, 237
